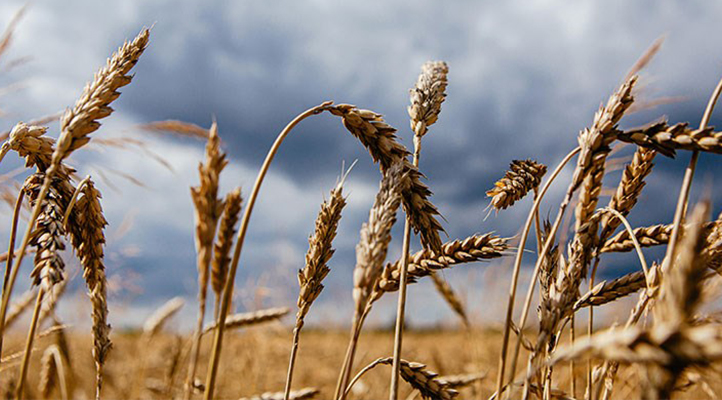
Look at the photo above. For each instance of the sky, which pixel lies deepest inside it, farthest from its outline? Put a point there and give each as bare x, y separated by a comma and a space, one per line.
525, 77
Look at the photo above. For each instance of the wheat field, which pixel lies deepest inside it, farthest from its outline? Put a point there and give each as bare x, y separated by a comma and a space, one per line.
550, 346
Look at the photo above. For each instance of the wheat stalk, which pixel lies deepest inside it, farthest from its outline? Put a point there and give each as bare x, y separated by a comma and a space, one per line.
416, 375
370, 256
208, 209
316, 268
379, 138
228, 289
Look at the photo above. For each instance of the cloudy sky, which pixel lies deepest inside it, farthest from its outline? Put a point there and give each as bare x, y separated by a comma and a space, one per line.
525, 77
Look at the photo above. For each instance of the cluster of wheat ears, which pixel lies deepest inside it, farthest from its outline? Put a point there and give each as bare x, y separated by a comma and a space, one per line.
674, 338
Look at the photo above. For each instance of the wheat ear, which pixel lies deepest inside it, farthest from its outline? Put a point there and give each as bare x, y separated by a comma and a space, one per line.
319, 253
224, 242
89, 239
208, 208
416, 374
426, 99
593, 144
228, 289
522, 177
242, 320
370, 256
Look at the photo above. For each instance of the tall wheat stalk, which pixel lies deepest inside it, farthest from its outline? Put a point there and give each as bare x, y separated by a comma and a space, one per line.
426, 99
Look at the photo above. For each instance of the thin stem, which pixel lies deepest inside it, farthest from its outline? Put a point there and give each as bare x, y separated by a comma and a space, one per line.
687, 183
403, 279
73, 199
228, 289
572, 337
292, 361
360, 374
7, 292
10, 273
517, 268
29, 345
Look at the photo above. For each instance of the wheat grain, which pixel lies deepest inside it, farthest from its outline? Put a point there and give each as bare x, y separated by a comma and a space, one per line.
629, 189
376, 236
379, 138
609, 291
522, 177
425, 262
319, 251
668, 139
594, 141
89, 239
427, 96
94, 103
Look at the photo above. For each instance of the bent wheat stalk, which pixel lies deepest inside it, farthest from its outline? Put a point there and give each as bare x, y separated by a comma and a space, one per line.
517, 264
228, 288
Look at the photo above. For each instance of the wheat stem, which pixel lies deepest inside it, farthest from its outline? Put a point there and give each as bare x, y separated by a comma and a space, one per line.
73, 199
687, 184
517, 268
228, 289
29, 345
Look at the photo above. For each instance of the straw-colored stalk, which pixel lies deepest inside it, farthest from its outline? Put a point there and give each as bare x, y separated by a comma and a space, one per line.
370, 256
208, 209
319, 253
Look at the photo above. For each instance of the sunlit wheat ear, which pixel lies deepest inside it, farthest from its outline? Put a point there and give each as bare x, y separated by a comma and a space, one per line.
31, 143
415, 374
94, 103
319, 251
427, 96
668, 139
425, 262
301, 394
629, 189
88, 238
594, 141
379, 138
376, 236
224, 242
155, 322
242, 320
522, 177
